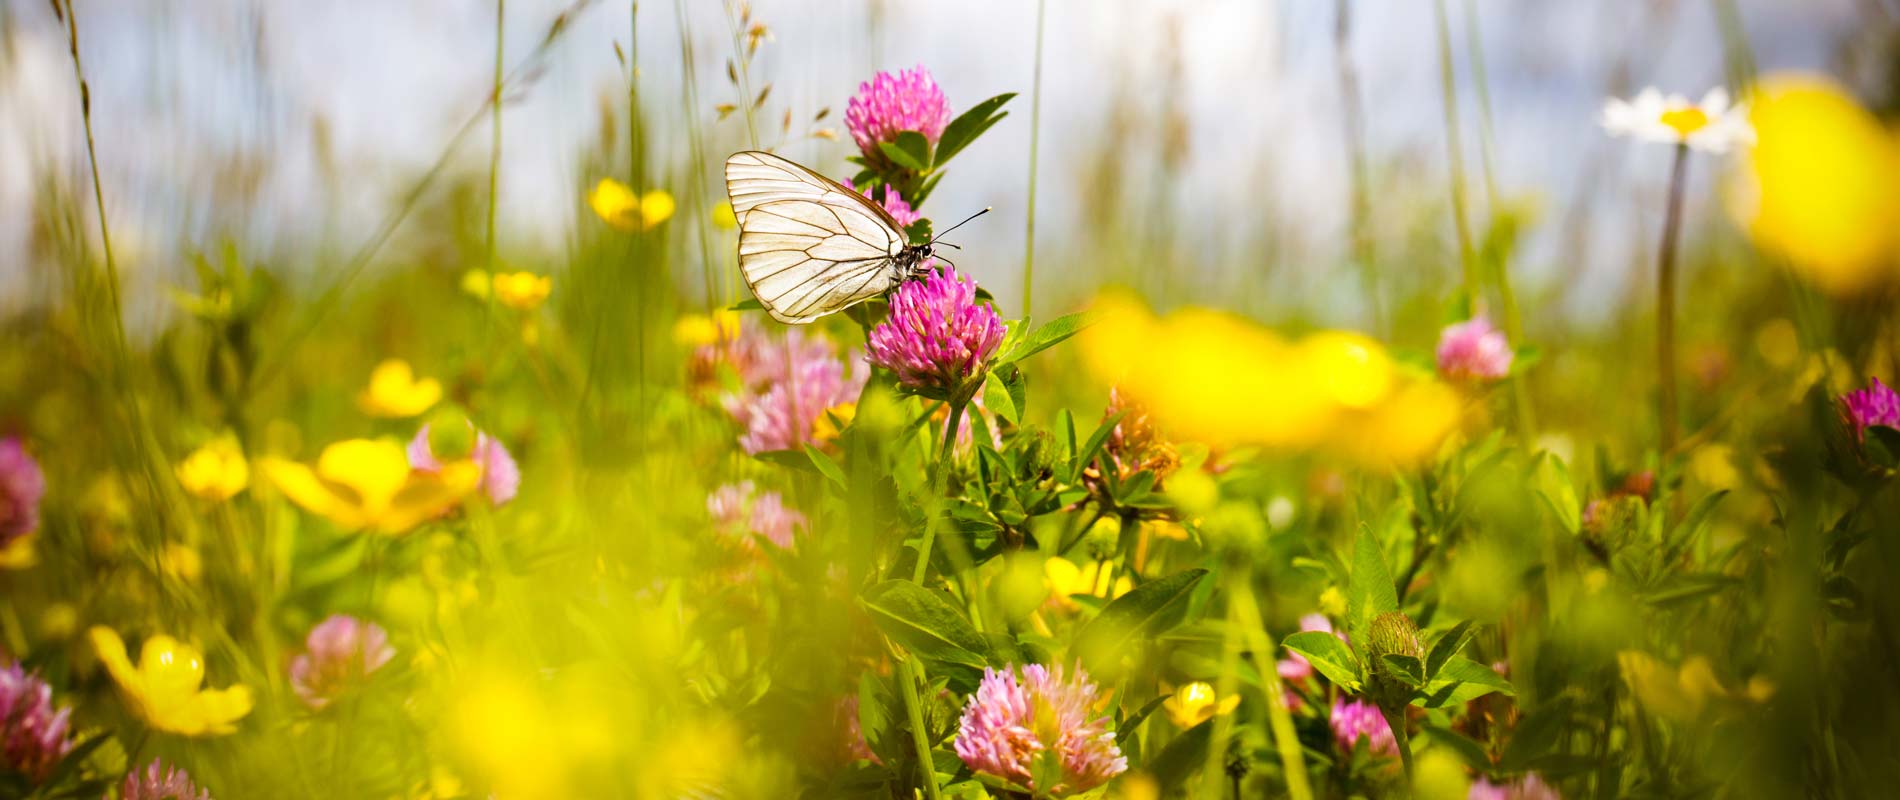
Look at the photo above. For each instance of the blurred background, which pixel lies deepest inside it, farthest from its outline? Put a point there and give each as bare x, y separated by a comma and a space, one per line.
1198, 149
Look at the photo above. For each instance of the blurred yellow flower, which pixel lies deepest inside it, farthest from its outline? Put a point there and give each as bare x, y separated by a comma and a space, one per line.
1778, 343
1681, 694
1196, 703
832, 421
475, 283
522, 291
182, 561
723, 218
216, 471
618, 206
20, 553
1817, 188
166, 688
395, 393
1217, 378
1713, 465
1064, 579
1332, 602
363, 483
694, 330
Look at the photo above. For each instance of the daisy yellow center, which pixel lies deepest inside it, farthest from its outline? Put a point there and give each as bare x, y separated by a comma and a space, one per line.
1685, 121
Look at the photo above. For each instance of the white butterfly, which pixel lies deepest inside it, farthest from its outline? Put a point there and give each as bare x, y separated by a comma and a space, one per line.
808, 246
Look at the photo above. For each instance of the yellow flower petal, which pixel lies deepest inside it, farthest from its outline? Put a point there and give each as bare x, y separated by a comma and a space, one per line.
217, 471
656, 206
394, 391
522, 291
425, 496
111, 650
723, 218
374, 469
614, 203
300, 484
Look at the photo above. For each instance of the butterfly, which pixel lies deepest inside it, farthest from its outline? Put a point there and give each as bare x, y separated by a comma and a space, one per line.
808, 246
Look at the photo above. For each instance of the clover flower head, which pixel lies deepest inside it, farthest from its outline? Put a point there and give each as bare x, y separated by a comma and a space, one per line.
938, 339
1878, 404
1473, 351
1017, 715
891, 104
33, 736
160, 782
501, 477
1713, 125
21, 485
1356, 718
339, 652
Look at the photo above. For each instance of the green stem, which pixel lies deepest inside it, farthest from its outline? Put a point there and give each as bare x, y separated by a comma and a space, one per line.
1035, 128
1285, 739
695, 140
494, 142
1666, 303
1467, 256
1397, 723
936, 494
913, 706
1363, 250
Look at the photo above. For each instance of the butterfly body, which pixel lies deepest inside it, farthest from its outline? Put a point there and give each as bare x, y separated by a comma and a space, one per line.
809, 246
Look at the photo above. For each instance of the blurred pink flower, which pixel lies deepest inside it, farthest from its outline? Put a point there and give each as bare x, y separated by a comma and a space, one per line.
160, 782
890, 104
1009, 723
738, 508
937, 337
1529, 787
1360, 718
33, 737
21, 485
1473, 351
1874, 405
341, 650
501, 478
789, 383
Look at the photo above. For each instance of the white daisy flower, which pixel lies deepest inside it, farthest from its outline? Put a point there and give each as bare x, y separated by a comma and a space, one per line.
1712, 125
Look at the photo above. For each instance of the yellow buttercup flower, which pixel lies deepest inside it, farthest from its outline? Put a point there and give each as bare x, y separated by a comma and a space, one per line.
166, 688
394, 392
475, 283
522, 291
1064, 578
363, 483
832, 422
619, 206
1196, 703
216, 471
1817, 189
723, 218
694, 330
20, 553
1682, 693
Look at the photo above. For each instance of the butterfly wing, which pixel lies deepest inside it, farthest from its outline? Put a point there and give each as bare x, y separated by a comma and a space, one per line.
807, 245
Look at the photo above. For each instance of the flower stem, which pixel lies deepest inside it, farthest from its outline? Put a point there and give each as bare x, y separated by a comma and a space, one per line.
1285, 739
1397, 723
1467, 256
1666, 302
937, 484
1035, 127
913, 706
1361, 207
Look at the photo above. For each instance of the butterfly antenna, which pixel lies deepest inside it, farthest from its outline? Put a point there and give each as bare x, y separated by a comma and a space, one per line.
986, 210
947, 244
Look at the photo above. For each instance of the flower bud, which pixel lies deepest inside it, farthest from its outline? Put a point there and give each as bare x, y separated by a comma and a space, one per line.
1392, 633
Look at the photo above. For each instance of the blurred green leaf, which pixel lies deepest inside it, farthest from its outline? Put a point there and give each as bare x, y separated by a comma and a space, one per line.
1183, 757
1145, 612
1559, 493
1329, 655
998, 398
1086, 455
1406, 668
968, 126
1467, 750
1462, 680
826, 466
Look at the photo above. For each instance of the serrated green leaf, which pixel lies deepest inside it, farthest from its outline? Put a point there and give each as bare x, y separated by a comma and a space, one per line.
997, 398
924, 622
1047, 336
1371, 591
1446, 647
1329, 655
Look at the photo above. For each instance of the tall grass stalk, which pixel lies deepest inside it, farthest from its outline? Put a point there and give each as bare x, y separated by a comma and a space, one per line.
1353, 112
1035, 139
1261, 647
1454, 145
695, 138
